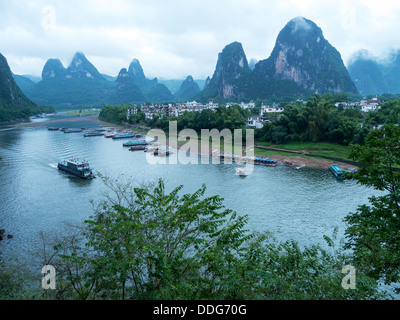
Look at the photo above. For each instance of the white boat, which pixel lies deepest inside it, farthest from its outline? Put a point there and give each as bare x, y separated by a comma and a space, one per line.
240, 172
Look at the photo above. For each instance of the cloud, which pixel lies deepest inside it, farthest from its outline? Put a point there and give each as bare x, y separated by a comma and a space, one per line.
175, 38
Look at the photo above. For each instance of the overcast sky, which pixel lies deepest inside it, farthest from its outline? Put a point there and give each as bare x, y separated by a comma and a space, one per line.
176, 38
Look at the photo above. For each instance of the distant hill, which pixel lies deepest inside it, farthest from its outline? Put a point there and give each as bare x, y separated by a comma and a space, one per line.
126, 90
23, 82
174, 84
81, 84
188, 90
152, 89
367, 74
13, 103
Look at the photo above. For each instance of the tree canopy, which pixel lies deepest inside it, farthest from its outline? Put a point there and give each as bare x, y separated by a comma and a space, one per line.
374, 230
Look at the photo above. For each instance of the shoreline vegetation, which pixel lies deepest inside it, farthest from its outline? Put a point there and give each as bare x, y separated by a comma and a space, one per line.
312, 155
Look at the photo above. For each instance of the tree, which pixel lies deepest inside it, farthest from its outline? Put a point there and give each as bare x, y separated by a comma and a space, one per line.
374, 231
147, 243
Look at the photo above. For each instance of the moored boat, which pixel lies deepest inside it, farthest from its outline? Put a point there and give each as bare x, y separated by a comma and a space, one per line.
138, 148
73, 130
336, 171
77, 168
93, 133
135, 143
53, 129
266, 162
240, 172
123, 136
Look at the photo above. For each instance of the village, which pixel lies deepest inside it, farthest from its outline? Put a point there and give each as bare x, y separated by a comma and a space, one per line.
256, 121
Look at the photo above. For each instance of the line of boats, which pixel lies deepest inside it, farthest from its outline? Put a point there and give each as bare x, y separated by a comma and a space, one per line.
81, 168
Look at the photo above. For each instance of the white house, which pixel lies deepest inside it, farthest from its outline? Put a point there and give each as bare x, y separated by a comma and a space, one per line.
131, 111
369, 105
255, 121
268, 109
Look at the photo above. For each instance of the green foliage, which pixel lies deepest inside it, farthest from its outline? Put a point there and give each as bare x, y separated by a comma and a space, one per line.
374, 231
231, 118
17, 281
149, 244
317, 120
114, 114
389, 113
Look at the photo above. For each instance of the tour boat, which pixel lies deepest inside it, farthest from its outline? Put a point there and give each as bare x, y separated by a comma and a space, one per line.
77, 168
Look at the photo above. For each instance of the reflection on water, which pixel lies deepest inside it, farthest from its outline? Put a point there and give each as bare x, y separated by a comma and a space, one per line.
294, 204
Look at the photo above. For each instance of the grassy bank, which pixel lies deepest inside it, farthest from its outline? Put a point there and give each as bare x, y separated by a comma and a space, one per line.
314, 148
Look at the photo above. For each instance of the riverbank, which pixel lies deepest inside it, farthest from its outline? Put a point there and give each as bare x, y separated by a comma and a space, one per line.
296, 158
293, 158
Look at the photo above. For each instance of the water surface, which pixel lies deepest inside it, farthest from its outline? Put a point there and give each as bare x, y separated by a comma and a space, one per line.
294, 204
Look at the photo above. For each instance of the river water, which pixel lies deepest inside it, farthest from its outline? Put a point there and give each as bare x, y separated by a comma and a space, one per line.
303, 205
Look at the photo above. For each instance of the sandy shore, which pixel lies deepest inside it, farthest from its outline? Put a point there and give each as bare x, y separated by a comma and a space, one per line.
92, 118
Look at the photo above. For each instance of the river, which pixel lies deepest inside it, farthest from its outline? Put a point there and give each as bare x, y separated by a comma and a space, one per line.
303, 205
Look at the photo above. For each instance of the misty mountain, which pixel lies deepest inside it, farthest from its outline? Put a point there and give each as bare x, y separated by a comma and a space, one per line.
302, 62
373, 75
302, 55
367, 74
391, 73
